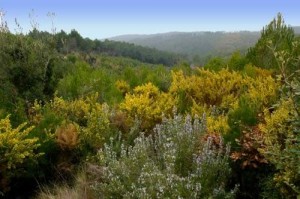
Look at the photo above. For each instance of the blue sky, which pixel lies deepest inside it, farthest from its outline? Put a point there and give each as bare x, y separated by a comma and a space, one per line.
105, 18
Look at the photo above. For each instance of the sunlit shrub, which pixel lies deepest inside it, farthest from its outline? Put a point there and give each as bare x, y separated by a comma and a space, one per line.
209, 88
218, 124
16, 147
148, 104
223, 88
262, 90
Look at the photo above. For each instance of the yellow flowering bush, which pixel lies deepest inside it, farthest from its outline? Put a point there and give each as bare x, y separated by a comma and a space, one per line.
223, 88
262, 90
75, 110
122, 86
274, 123
148, 104
218, 124
15, 146
215, 122
89, 114
223, 91
98, 126
281, 138
208, 87
16, 149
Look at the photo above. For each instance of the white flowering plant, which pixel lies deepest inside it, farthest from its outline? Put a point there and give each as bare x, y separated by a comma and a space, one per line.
174, 162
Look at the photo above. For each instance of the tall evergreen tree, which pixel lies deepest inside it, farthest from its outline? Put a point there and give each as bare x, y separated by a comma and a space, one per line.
275, 37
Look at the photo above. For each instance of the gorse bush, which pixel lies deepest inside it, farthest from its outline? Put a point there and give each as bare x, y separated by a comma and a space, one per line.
171, 163
148, 104
16, 150
91, 117
281, 138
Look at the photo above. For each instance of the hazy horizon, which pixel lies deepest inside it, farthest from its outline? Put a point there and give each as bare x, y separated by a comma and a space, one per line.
105, 19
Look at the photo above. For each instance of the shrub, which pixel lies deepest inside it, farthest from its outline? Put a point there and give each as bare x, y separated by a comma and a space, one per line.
219, 89
169, 164
91, 116
122, 86
97, 130
16, 150
281, 139
85, 80
67, 136
148, 104
250, 142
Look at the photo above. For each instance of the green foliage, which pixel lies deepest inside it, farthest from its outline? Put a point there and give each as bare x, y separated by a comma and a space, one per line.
237, 62
84, 81
281, 127
244, 115
215, 64
276, 36
163, 166
29, 70
73, 42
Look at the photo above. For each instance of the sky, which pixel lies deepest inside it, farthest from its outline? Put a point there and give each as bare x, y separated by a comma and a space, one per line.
99, 19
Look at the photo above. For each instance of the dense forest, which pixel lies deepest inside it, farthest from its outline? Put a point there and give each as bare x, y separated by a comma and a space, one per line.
83, 118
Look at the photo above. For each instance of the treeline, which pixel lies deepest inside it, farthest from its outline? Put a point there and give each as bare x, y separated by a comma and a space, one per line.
73, 42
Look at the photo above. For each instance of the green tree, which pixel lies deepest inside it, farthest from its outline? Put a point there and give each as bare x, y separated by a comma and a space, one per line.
215, 64
276, 36
237, 61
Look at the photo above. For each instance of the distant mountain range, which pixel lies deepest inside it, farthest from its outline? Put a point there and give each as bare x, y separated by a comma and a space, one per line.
198, 46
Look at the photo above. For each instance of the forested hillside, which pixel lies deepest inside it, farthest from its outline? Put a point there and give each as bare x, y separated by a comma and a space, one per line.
83, 118
199, 47
66, 43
